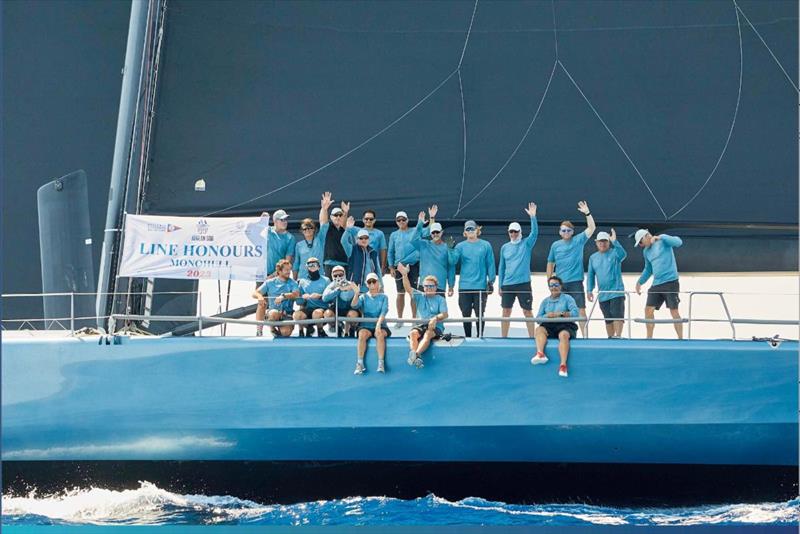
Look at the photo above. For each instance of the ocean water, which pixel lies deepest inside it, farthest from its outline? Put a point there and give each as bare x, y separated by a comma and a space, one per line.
150, 505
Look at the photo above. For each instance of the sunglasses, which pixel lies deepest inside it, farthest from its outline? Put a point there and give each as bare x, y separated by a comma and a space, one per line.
362, 238
401, 220
555, 284
566, 230
338, 276
371, 281
429, 286
470, 229
336, 215
312, 264
513, 231
435, 232
307, 228
369, 218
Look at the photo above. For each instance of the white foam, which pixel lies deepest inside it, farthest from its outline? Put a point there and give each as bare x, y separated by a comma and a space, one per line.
144, 446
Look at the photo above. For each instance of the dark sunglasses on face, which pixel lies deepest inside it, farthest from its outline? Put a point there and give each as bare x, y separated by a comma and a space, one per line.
307, 228
470, 229
370, 282
436, 232
369, 218
401, 219
312, 264
566, 230
513, 231
338, 276
555, 284
429, 286
363, 238
337, 215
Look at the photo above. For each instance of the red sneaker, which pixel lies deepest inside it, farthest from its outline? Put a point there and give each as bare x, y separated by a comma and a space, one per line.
562, 371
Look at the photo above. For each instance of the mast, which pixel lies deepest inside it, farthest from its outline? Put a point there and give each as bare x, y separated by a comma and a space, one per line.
131, 78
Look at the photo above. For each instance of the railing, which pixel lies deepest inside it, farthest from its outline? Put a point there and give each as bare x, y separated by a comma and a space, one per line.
205, 321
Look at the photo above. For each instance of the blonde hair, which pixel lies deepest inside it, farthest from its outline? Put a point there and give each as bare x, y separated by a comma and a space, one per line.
281, 263
431, 277
568, 223
477, 231
308, 222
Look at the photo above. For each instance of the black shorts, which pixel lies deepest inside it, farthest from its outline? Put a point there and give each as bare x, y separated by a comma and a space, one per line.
413, 277
308, 311
554, 328
576, 291
422, 328
613, 308
666, 292
371, 328
522, 292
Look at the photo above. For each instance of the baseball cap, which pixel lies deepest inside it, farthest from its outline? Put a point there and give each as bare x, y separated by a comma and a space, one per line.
372, 276
400, 214
436, 227
640, 233
312, 259
470, 225
603, 236
337, 268
336, 211
515, 226
363, 233
280, 214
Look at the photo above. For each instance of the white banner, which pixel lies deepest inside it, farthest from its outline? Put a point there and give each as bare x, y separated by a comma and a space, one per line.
219, 248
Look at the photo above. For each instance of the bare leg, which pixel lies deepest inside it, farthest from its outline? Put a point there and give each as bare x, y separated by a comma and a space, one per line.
541, 338
530, 326
649, 313
426, 341
275, 315
611, 328
401, 304
413, 308
350, 327
618, 328
582, 324
676, 314
505, 324
380, 343
361, 347
563, 346
299, 316
413, 340
261, 312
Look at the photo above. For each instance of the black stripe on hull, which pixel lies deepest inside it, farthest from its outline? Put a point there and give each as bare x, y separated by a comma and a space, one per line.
527, 483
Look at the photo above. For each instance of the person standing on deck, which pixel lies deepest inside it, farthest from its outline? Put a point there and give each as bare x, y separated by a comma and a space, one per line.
566, 259
659, 262
558, 304
372, 304
401, 251
280, 243
334, 252
606, 266
361, 259
377, 239
434, 255
431, 308
514, 273
313, 243
477, 275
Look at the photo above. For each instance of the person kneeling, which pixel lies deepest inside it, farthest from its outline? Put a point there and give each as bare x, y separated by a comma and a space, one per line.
431, 307
558, 304
375, 305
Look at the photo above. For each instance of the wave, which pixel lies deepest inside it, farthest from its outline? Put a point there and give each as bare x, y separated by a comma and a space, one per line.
150, 505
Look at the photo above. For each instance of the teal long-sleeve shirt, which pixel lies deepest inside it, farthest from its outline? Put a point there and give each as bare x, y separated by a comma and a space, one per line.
477, 265
607, 268
659, 260
563, 303
400, 249
279, 247
567, 255
515, 258
434, 259
304, 250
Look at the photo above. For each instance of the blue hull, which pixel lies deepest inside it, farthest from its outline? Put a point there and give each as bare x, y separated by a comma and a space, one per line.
625, 402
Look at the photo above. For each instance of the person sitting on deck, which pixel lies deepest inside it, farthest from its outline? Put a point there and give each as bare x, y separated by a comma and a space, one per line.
339, 294
606, 266
362, 259
311, 289
434, 255
659, 262
430, 307
280, 291
372, 304
313, 242
558, 304
566, 259
478, 272
514, 272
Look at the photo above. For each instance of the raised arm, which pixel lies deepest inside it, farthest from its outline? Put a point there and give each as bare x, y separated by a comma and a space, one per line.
671, 240
355, 302
583, 207
416, 235
618, 248
406, 283
530, 241
348, 237
331, 292
324, 206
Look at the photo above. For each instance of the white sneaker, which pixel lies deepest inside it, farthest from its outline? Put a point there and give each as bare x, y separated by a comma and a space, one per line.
562, 371
359, 369
399, 324
539, 359
381, 368
411, 357
419, 363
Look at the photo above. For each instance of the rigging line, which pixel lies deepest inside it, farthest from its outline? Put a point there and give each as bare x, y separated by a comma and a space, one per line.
739, 9
733, 122
469, 31
514, 152
555, 28
464, 124
342, 156
635, 168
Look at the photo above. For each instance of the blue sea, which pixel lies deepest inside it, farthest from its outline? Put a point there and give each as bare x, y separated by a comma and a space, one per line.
151, 505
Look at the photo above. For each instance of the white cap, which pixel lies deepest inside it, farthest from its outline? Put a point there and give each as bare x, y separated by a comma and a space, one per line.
400, 214
640, 233
603, 236
337, 268
336, 211
281, 215
371, 276
363, 233
515, 226
436, 227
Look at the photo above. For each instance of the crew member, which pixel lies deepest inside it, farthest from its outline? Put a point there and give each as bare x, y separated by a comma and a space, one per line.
476, 259
372, 304
434, 254
558, 304
514, 273
431, 307
606, 266
659, 262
